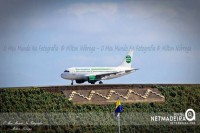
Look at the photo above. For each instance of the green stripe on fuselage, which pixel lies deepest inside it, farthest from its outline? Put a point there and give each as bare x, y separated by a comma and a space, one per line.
101, 69
82, 68
94, 69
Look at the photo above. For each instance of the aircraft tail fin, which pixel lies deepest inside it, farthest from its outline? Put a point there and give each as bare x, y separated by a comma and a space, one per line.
127, 61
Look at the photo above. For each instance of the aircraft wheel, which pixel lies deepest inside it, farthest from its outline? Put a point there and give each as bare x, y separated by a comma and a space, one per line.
100, 82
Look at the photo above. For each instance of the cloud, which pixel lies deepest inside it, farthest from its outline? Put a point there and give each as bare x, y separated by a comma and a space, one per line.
81, 9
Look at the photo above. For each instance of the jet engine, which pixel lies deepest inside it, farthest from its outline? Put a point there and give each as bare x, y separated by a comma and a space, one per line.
80, 81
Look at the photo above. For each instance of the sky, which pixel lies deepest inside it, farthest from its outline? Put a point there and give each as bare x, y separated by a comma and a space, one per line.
40, 39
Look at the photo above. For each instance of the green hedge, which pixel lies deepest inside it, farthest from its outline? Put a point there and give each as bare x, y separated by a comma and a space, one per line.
178, 99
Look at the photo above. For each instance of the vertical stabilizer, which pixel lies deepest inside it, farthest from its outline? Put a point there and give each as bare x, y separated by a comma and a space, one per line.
127, 61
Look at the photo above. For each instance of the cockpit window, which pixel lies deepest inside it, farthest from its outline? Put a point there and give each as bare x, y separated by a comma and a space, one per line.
66, 71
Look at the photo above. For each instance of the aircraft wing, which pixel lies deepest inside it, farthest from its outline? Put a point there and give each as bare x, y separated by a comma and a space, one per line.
100, 76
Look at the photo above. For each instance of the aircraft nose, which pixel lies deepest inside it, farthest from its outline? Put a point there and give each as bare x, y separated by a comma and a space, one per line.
62, 75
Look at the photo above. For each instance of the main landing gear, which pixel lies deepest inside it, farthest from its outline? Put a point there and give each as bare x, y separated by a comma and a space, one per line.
72, 82
100, 82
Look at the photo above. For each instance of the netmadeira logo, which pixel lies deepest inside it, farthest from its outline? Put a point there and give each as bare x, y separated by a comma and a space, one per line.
190, 115
187, 118
128, 58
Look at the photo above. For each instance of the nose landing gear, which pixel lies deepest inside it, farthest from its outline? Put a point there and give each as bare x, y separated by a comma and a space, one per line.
72, 82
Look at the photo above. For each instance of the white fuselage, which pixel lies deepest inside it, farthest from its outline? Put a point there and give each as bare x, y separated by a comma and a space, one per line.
77, 73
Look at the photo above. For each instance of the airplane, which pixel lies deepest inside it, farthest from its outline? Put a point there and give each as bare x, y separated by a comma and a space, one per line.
94, 74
